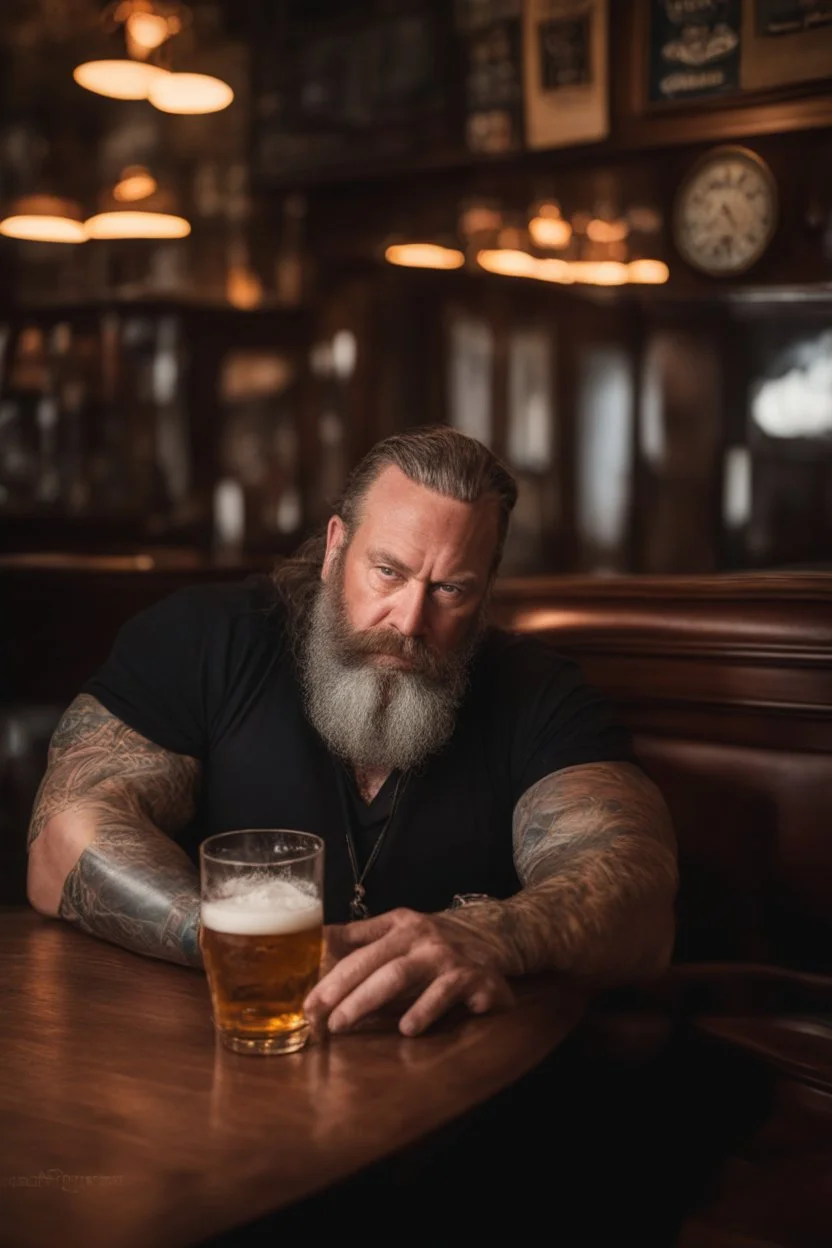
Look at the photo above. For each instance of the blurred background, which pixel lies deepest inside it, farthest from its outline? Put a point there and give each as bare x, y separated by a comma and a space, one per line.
240, 241
598, 236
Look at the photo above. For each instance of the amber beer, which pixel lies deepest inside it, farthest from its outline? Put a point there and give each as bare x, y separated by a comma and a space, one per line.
261, 940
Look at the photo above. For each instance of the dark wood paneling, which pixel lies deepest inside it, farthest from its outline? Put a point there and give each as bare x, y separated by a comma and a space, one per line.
726, 684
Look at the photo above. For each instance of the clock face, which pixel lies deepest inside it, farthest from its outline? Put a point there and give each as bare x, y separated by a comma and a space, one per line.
726, 211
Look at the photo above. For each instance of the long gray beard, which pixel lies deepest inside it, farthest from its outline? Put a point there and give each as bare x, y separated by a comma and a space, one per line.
388, 719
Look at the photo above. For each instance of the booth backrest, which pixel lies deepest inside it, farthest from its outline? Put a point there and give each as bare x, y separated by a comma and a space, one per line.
726, 685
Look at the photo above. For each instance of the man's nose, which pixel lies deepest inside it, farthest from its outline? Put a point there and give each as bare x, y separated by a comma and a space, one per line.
409, 615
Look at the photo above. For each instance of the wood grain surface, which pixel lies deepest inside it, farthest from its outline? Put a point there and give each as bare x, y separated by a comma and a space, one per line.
122, 1123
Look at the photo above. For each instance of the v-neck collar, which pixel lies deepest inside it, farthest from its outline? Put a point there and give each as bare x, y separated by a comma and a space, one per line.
379, 807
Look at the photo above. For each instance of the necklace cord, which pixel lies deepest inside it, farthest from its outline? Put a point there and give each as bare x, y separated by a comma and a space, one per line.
360, 876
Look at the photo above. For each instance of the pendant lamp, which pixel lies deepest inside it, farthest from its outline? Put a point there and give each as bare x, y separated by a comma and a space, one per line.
140, 60
124, 212
424, 255
44, 219
130, 34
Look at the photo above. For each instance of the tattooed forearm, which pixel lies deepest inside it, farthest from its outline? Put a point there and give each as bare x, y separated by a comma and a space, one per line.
595, 851
100, 827
137, 889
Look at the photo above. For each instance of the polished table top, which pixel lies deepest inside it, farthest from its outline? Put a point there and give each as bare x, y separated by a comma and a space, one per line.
123, 1123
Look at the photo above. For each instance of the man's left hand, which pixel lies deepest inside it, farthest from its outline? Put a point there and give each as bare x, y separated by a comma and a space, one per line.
427, 963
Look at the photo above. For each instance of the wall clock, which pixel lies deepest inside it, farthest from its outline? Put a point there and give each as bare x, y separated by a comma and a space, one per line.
725, 211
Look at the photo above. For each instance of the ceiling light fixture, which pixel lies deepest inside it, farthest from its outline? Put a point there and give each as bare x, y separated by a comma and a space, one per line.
140, 32
599, 272
424, 256
511, 262
648, 272
136, 183
551, 232
129, 32
189, 94
547, 227
137, 223
123, 79
44, 219
148, 28
151, 215
599, 230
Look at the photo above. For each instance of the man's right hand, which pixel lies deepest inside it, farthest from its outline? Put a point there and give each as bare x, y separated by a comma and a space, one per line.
419, 964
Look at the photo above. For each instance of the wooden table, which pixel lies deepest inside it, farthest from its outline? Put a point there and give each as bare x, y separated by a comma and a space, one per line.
122, 1123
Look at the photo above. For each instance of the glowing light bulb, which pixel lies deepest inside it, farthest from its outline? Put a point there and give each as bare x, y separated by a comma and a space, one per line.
424, 256
43, 229
131, 223
119, 80
148, 30
550, 231
599, 272
649, 272
189, 93
600, 231
134, 184
44, 219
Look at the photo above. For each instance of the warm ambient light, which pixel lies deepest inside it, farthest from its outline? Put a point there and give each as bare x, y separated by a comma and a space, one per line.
120, 79
600, 231
135, 183
135, 224
424, 256
43, 229
510, 262
649, 272
44, 219
550, 231
599, 272
189, 93
150, 30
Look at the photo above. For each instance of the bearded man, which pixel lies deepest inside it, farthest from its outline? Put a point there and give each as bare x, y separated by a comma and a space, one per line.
483, 815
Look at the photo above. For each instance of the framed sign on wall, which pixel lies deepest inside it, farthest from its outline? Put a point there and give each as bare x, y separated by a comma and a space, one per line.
565, 71
719, 69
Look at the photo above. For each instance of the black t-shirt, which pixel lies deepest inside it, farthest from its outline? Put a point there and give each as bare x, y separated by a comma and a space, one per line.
208, 672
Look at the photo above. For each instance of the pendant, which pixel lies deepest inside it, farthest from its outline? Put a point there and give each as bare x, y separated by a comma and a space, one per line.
357, 908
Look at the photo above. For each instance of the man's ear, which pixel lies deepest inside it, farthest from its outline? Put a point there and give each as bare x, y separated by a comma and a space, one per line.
335, 534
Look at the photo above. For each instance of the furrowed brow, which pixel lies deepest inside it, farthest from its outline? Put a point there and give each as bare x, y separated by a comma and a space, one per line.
377, 555
390, 561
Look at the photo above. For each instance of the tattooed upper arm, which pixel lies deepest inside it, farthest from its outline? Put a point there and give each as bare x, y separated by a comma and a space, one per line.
95, 759
606, 807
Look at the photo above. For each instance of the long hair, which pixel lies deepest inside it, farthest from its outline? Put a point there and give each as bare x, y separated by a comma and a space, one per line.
436, 456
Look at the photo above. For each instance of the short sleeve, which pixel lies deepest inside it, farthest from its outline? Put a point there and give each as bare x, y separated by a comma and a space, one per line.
557, 719
181, 670
154, 678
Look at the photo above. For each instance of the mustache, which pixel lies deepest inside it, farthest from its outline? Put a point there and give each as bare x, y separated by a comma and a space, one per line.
369, 643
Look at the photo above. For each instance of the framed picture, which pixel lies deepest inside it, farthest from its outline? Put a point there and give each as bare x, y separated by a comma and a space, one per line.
565, 71
716, 70
786, 42
693, 54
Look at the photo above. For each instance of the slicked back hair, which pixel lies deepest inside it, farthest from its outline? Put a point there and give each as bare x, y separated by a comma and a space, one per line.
435, 456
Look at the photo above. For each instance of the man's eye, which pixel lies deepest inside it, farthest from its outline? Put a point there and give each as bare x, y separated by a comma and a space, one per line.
388, 573
452, 591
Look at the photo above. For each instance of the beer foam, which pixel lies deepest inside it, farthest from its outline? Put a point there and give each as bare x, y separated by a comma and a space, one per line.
269, 908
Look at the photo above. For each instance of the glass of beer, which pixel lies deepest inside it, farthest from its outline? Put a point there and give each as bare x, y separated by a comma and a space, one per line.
261, 934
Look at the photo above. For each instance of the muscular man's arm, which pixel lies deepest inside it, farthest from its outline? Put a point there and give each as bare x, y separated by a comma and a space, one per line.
596, 855
595, 851
100, 853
